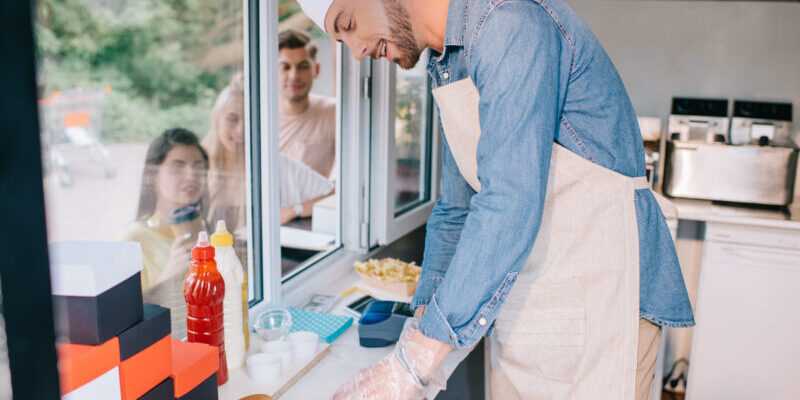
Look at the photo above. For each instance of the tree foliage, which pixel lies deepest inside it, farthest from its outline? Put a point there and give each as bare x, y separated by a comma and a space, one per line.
152, 53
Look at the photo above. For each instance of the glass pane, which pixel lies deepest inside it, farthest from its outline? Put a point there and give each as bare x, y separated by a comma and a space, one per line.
412, 137
143, 114
307, 110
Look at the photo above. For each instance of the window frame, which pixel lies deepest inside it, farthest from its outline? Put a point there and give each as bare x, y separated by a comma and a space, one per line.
269, 261
368, 219
352, 182
389, 223
26, 298
252, 71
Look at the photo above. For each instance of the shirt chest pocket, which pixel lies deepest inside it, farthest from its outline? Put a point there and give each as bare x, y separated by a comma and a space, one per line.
458, 109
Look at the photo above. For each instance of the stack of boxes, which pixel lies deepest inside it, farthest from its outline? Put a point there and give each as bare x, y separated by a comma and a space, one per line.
111, 345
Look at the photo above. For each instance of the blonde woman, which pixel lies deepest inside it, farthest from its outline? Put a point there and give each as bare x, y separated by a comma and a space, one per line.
225, 146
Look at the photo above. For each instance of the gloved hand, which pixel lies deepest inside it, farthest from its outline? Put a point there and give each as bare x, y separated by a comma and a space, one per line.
408, 373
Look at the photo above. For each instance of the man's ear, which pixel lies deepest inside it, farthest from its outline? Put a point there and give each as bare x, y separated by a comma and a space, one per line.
316, 70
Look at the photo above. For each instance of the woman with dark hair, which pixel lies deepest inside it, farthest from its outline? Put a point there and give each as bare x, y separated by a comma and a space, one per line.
174, 176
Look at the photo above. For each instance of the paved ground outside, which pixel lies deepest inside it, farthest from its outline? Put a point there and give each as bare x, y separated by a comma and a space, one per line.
94, 207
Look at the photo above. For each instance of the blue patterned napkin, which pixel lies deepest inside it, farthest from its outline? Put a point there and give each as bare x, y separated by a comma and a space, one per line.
327, 326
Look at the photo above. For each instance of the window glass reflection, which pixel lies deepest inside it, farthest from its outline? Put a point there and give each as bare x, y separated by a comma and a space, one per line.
142, 110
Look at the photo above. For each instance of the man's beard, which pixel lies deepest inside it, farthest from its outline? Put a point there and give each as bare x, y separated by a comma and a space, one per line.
402, 36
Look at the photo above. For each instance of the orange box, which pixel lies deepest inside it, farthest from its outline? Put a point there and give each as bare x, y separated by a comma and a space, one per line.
80, 364
192, 363
145, 370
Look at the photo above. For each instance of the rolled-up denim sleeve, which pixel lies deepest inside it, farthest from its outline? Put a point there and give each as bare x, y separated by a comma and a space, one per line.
516, 66
443, 229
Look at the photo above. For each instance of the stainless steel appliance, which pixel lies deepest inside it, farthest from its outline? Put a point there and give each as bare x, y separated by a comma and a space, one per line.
699, 120
700, 164
761, 123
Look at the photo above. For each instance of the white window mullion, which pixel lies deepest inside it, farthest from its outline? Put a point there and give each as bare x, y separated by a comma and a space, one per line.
270, 176
355, 127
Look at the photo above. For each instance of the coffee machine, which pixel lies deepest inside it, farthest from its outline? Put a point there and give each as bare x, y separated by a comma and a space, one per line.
747, 159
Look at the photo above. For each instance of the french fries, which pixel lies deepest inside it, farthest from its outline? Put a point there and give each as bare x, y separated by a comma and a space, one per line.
389, 270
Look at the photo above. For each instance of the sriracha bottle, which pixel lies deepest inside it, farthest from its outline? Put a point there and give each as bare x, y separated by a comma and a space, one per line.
204, 291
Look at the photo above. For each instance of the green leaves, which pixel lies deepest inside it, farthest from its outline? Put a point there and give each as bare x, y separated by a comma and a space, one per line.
148, 51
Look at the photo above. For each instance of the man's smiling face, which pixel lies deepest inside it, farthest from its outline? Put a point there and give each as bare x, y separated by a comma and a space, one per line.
375, 28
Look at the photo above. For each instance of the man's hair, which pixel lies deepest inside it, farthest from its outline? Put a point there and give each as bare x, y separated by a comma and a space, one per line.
294, 39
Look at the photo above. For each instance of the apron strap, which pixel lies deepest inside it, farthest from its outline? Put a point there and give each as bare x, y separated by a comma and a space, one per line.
640, 182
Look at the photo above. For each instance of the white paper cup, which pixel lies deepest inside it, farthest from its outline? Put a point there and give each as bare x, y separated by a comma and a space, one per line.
282, 349
304, 344
264, 367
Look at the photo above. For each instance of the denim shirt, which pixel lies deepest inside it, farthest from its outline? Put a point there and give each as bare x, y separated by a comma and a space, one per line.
542, 76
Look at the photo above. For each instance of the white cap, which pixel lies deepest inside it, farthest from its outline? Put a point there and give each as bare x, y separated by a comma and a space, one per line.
202, 239
316, 10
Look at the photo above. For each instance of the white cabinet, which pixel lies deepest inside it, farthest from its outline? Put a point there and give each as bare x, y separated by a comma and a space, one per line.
746, 344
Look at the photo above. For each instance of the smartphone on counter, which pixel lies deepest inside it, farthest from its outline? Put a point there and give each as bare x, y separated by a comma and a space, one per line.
357, 307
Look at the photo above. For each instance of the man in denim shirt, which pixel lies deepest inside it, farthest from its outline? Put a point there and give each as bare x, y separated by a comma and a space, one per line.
543, 192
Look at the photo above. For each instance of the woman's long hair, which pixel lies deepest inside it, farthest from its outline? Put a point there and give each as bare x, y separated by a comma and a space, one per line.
222, 177
156, 154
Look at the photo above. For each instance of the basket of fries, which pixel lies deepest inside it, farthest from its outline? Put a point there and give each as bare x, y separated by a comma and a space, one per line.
390, 274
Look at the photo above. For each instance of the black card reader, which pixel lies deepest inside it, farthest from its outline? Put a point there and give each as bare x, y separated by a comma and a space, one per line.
382, 322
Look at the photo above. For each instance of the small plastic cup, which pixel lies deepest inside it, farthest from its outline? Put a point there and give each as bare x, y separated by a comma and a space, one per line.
264, 367
304, 344
273, 324
282, 349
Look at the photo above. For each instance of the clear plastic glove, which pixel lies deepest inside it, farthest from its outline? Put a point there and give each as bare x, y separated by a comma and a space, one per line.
408, 373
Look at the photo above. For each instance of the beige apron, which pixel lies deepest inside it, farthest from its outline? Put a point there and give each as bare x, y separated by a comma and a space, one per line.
569, 327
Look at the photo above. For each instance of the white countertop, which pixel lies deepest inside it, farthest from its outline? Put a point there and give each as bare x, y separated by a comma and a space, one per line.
704, 210
345, 359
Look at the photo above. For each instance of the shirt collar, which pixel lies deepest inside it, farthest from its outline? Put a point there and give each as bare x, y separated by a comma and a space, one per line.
456, 25
456, 22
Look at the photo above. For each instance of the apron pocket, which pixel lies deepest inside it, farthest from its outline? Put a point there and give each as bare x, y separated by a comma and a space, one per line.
544, 333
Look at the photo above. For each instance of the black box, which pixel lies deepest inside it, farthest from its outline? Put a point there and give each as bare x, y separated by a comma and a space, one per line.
95, 320
154, 326
164, 391
207, 390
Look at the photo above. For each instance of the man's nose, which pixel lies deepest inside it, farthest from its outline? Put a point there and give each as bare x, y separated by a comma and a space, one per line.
358, 48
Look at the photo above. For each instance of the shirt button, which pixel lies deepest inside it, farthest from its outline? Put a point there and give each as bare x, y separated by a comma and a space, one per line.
482, 322
446, 75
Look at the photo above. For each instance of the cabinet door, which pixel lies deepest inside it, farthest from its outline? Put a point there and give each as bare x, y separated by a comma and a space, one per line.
745, 344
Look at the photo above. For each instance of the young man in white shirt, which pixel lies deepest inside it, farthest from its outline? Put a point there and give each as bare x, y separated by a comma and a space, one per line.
306, 121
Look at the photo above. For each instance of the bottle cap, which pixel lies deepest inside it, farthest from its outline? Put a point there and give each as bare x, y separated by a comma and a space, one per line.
221, 237
202, 250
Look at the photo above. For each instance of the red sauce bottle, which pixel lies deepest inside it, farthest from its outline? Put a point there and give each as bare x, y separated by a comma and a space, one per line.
204, 291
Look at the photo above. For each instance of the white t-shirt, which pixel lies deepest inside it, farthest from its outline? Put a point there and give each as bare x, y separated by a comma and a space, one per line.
300, 183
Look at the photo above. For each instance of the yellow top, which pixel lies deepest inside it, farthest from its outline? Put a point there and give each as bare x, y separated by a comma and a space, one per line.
221, 237
155, 250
